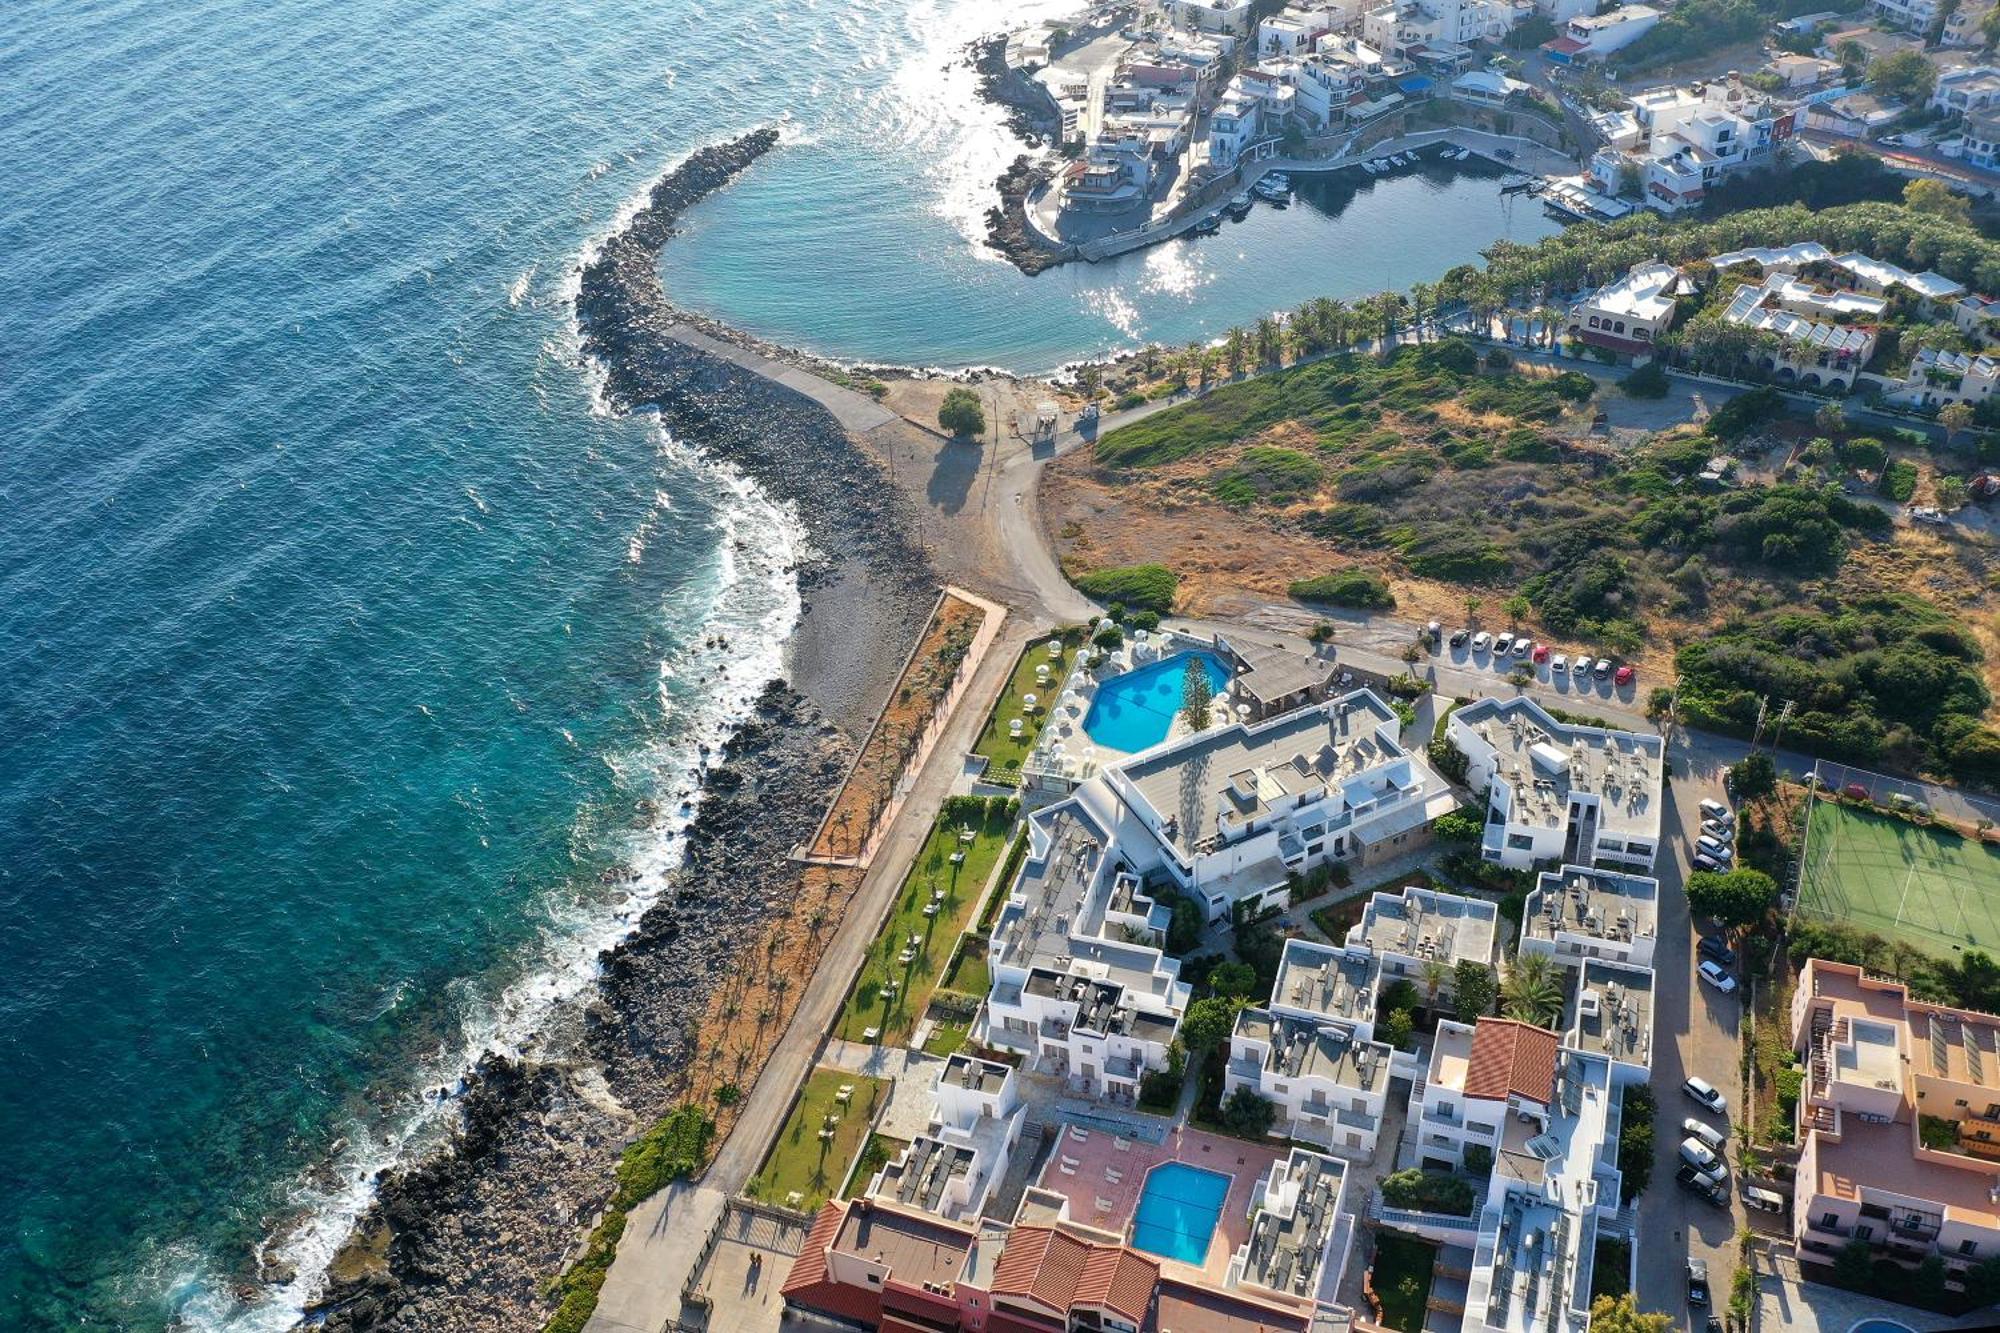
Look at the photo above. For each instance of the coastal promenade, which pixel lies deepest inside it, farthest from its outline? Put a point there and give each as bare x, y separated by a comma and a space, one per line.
857, 412
666, 1235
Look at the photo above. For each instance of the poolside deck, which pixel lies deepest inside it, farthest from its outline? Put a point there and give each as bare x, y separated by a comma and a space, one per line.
1095, 1152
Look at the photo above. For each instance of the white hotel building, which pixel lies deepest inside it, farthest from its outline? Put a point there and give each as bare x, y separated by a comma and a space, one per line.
1225, 816
1558, 791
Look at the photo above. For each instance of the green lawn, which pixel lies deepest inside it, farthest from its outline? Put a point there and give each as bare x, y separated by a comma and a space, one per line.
894, 1014
1004, 753
948, 1037
801, 1161
1929, 887
968, 973
1402, 1277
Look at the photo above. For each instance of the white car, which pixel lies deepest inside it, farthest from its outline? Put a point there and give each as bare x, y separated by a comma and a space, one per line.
1721, 832
1704, 1092
1712, 809
1712, 973
1714, 850
1698, 1155
1523, 646
1481, 641
1708, 1134
1559, 665
1503, 644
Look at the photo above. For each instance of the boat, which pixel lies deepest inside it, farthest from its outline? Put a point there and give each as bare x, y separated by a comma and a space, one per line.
1516, 185
1271, 192
1371, 168
1208, 226
1278, 179
1239, 207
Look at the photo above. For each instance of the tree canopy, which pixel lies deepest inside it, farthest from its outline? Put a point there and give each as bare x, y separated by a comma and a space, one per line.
1733, 897
961, 414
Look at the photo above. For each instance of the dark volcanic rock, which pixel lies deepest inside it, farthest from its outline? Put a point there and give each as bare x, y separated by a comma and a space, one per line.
1007, 221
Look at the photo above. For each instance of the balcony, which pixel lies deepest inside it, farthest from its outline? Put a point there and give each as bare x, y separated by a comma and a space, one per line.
1822, 1229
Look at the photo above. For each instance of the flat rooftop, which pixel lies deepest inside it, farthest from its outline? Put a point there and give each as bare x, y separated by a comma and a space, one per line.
1883, 1157
1451, 1056
919, 1176
1425, 923
1326, 981
973, 1074
1299, 1048
1542, 761
916, 1249
1602, 904
1289, 1235
1241, 772
1609, 1011
1272, 671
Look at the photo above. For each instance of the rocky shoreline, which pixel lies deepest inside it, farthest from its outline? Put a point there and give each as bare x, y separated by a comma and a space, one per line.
466, 1240
1007, 221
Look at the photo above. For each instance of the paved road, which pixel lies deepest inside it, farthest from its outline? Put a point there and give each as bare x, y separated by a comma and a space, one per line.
1694, 1032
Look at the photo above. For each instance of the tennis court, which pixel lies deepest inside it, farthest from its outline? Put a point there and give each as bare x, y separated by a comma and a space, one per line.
1932, 888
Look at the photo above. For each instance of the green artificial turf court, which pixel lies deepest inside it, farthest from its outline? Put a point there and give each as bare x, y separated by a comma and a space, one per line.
1931, 887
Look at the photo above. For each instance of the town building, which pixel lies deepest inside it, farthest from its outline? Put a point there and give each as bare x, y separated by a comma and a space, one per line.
1412, 930
1482, 1076
1296, 29
1328, 984
1963, 91
1230, 17
1578, 913
952, 1168
1899, 1122
1937, 378
1302, 1233
1965, 25
1853, 115
1915, 16
1560, 791
1980, 144
1608, 1012
1818, 341
1331, 1086
1978, 317
1629, 315
1590, 37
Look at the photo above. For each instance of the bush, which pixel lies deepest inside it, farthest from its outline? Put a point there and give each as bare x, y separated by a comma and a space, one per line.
961, 414
1899, 480
1349, 587
1745, 412
1248, 1115
1754, 776
1140, 587
1458, 826
1419, 1191
1732, 897
1648, 381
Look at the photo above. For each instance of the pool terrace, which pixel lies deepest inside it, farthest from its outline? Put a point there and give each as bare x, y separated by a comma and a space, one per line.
1082, 1162
1067, 754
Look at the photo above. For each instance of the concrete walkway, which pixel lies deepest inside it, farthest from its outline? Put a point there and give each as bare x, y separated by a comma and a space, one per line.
665, 1235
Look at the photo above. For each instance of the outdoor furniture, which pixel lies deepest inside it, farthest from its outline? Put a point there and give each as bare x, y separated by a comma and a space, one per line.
794, 1199
1122, 1145
1066, 1168
906, 957
1079, 1134
845, 1094
930, 909
871, 1034
958, 858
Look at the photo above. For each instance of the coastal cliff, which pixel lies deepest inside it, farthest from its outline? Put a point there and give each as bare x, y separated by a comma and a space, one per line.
467, 1239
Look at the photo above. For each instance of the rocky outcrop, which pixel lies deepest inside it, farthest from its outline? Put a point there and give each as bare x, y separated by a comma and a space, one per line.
1007, 221
1031, 112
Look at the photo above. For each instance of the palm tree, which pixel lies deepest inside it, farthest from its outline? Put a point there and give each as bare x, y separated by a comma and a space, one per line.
1532, 991
1433, 974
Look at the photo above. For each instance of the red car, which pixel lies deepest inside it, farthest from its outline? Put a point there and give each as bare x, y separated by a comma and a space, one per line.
1624, 676
1856, 790
1541, 652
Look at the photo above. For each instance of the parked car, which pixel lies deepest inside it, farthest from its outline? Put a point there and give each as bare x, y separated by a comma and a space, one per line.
1503, 644
1718, 830
1928, 514
1704, 1092
1523, 646
1541, 652
1458, 638
1602, 669
1559, 665
1697, 1282
1714, 946
1694, 1182
1435, 633
1714, 974
1855, 791
1480, 641
1713, 809
1714, 849
1769, 1201
1707, 1133
1699, 1155
1703, 861
1622, 676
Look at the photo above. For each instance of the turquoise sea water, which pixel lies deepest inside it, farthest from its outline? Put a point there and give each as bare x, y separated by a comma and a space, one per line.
1178, 1211
1135, 711
344, 642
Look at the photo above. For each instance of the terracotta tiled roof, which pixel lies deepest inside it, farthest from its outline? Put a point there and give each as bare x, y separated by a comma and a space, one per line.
1510, 1057
1569, 46
1062, 1272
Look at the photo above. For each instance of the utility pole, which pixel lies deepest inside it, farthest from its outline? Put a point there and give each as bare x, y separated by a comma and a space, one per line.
1784, 716
1763, 707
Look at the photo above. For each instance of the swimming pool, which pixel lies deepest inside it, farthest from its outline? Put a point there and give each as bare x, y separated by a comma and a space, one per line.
1134, 712
1178, 1212
1880, 1326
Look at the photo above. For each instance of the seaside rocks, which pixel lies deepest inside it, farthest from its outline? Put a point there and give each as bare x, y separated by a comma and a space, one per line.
1007, 221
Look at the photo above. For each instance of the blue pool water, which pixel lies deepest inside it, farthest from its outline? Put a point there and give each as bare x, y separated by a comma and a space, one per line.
1880, 1326
1134, 712
1178, 1212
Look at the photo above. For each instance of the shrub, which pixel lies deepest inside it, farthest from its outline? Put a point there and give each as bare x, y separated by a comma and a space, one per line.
1733, 897
1141, 587
1420, 1191
1248, 1115
1753, 776
1899, 480
1458, 826
1348, 587
1635, 1141
1648, 381
1745, 412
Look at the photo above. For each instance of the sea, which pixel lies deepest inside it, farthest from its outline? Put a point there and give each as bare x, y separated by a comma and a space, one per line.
353, 654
